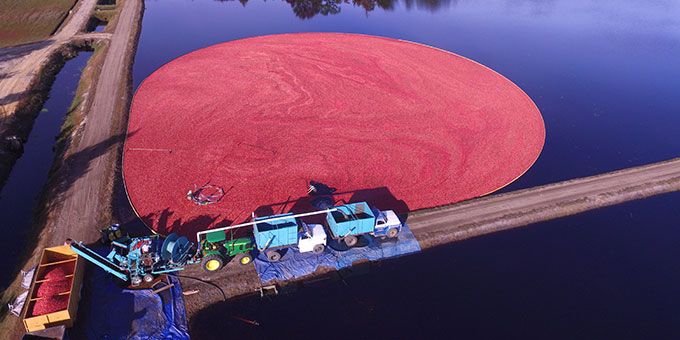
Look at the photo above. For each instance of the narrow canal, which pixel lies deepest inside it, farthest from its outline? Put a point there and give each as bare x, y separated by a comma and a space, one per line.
20, 195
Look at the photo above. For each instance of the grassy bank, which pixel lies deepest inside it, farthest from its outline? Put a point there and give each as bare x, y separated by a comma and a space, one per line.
83, 95
24, 21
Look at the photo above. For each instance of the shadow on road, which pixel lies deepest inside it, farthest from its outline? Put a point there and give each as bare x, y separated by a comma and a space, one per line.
78, 165
381, 198
13, 97
63, 176
10, 53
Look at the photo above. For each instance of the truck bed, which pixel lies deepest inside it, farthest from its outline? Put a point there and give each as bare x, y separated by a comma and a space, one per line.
276, 234
351, 219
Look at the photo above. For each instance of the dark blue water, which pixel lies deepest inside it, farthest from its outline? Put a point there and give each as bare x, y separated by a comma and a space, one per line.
19, 196
605, 75
607, 274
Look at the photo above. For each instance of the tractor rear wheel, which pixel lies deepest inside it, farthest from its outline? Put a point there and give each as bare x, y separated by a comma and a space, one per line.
350, 240
244, 259
273, 256
392, 233
318, 249
211, 263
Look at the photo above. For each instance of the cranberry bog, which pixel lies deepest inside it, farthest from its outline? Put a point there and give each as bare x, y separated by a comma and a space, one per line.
400, 125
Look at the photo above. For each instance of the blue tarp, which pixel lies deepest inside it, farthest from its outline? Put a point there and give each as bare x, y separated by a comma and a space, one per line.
294, 264
113, 312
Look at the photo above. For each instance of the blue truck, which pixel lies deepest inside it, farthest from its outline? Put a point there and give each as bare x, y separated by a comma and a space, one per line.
347, 222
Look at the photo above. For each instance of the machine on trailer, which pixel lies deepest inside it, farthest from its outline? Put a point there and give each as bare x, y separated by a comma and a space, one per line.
141, 259
348, 222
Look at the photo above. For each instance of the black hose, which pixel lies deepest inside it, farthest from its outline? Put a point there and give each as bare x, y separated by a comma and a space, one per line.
224, 296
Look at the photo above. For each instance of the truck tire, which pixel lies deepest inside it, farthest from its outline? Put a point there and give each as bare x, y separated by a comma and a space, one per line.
244, 259
211, 263
392, 233
318, 249
273, 256
350, 240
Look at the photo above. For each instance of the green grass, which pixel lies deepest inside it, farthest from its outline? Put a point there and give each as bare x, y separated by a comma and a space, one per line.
24, 21
105, 14
74, 115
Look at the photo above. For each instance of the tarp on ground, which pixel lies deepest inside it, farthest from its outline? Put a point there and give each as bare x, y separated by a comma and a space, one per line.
294, 264
109, 311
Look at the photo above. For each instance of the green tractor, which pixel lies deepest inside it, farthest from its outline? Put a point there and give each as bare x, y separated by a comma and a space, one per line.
217, 250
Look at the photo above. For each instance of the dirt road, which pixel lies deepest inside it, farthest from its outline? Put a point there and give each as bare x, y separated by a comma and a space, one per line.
505, 211
478, 217
86, 195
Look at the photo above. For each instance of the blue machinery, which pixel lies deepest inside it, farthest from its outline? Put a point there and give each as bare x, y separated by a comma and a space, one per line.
140, 259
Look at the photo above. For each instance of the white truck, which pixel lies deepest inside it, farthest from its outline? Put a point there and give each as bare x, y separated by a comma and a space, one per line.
312, 238
274, 234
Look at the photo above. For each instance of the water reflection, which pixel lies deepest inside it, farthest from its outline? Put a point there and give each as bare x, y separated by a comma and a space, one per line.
429, 5
306, 9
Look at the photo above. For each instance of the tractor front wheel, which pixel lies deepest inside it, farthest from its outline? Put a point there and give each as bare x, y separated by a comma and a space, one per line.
244, 259
212, 263
392, 233
273, 256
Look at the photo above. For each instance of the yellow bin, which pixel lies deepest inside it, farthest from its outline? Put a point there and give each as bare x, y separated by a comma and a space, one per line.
74, 266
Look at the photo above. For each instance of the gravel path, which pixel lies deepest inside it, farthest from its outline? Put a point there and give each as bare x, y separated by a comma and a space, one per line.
506, 211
